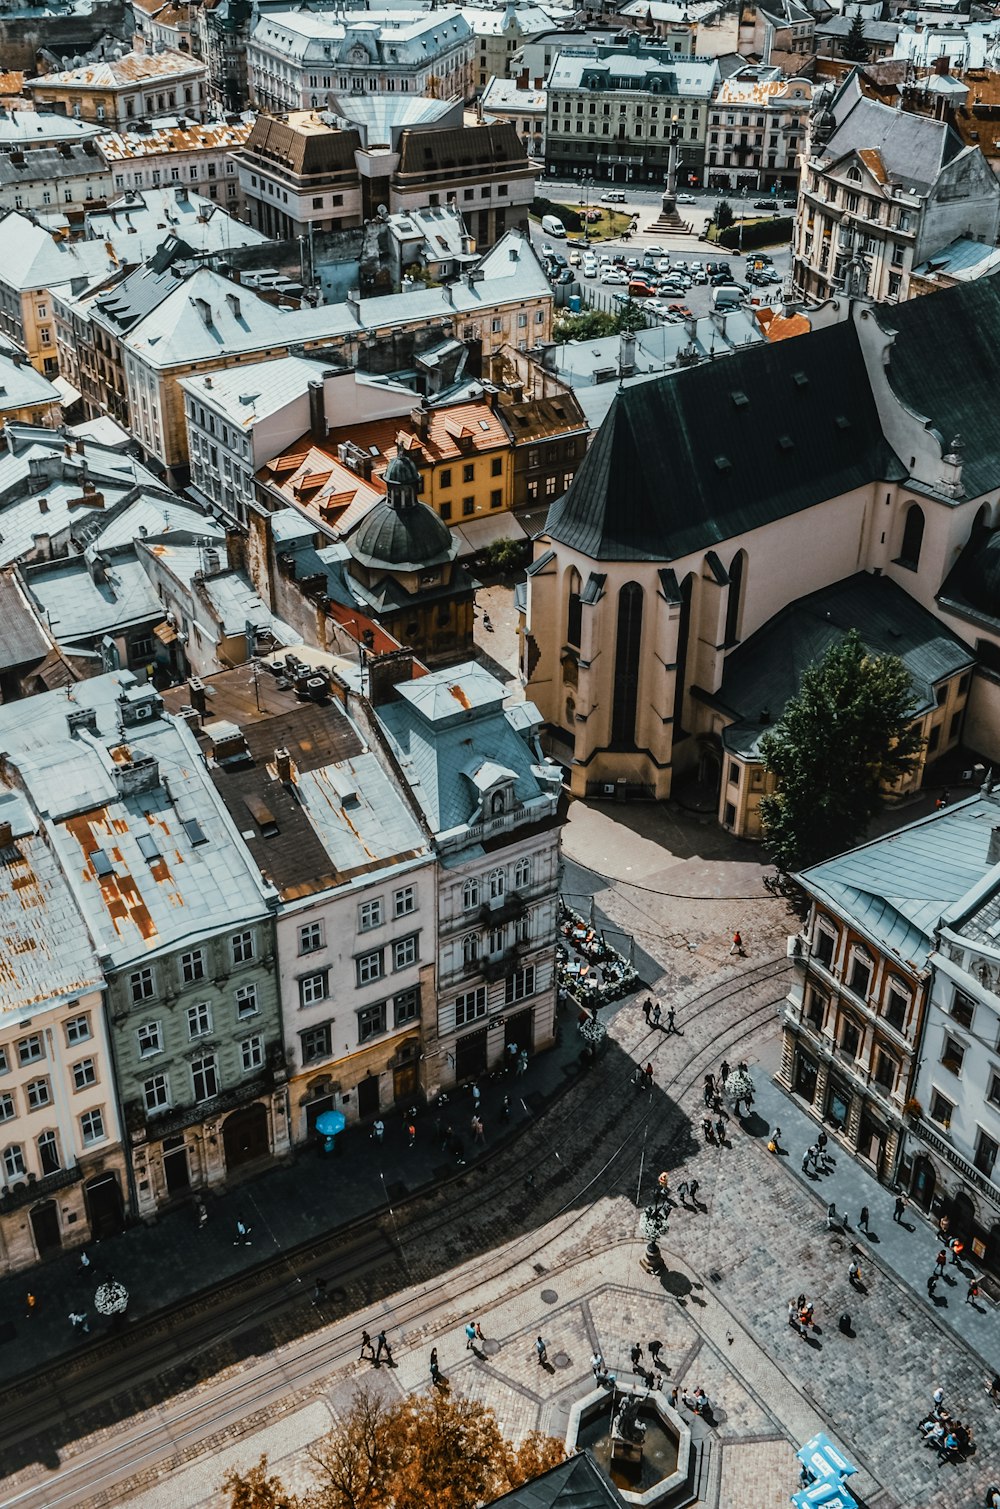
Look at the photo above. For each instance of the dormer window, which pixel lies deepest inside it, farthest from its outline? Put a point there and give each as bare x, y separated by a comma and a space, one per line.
498, 803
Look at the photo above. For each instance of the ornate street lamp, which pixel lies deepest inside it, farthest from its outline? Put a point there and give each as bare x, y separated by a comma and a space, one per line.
653, 1225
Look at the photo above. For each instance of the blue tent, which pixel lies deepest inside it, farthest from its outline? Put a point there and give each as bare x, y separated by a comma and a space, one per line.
824, 1496
824, 1460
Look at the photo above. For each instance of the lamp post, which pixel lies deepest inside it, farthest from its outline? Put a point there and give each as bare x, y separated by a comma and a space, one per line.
653, 1225
588, 184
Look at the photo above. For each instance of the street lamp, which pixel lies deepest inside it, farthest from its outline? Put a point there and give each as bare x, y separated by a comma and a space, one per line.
653, 1225
587, 184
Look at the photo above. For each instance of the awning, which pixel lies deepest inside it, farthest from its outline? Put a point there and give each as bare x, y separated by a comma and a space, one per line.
478, 533
165, 633
68, 395
823, 1459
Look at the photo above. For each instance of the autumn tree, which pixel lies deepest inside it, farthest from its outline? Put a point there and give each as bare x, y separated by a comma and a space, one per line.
435, 1452
846, 736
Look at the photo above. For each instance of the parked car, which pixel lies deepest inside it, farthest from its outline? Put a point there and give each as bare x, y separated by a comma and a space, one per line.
638, 288
663, 264
547, 250
655, 251
764, 204
613, 275
632, 262
566, 275
574, 259
789, 204
590, 267
613, 196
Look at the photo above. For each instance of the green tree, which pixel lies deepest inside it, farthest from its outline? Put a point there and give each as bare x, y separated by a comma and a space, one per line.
722, 214
855, 47
846, 735
630, 317
589, 325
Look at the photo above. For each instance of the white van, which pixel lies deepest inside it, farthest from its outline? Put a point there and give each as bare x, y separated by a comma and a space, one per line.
727, 297
552, 226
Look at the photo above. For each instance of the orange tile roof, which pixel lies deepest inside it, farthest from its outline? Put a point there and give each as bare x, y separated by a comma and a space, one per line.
317, 483
872, 160
474, 422
781, 327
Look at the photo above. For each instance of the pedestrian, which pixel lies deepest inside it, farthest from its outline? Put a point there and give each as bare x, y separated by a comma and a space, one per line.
674, 1396
793, 1317
663, 1186
807, 1158
720, 1130
477, 1096
776, 1138
522, 1061
737, 946
957, 1248
670, 1019
647, 1007
939, 1262
541, 1351
84, 1264
383, 1346
411, 1132
938, 1398
706, 1127
470, 1336
708, 1092
898, 1208
319, 1291
695, 1186
854, 1274
597, 1363
479, 1332
77, 1319
657, 1013
649, 1076
863, 1220
831, 1216
478, 1135
636, 1353
972, 1293
511, 1063
378, 1130
932, 1284
242, 1233
682, 1192
366, 1345
654, 1348
505, 1108
435, 1370
200, 1210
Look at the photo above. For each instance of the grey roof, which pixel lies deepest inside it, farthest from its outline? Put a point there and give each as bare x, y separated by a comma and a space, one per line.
79, 608
655, 69
897, 888
142, 904
687, 461
973, 584
141, 220
50, 164
47, 955
875, 31
962, 258
764, 672
402, 539
34, 258
22, 641
577, 1483
913, 148
451, 736
20, 129
22, 387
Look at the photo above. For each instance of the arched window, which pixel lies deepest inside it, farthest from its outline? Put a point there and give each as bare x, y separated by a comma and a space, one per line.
470, 894
683, 634
470, 948
734, 602
498, 803
498, 884
574, 611
913, 537
627, 645
522, 874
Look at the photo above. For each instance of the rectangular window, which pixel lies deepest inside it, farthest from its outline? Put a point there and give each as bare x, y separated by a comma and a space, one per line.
84, 1074
30, 1050
823, 947
963, 1009
148, 1039
199, 1020
310, 937
896, 1006
850, 1037
316, 1044
247, 1003
252, 1053
48, 1152
444, 479
371, 1022
193, 966
77, 1030
38, 1094
886, 1070
404, 952
406, 1007
986, 1153
404, 901
205, 1077
13, 1161
242, 946
312, 988
92, 1127
496, 497
370, 967
468, 507
156, 1092
953, 1055
860, 978
469, 472
4, 1062
520, 984
370, 915
8, 1110
470, 1006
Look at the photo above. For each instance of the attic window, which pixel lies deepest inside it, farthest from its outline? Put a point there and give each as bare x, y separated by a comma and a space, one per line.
786, 442
740, 400
484, 424
800, 379
195, 832
147, 847
373, 450
723, 464
842, 422
101, 862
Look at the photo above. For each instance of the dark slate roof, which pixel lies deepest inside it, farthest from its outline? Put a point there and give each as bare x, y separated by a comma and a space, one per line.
577, 1483
22, 640
685, 462
403, 538
765, 670
304, 152
485, 147
973, 584
945, 364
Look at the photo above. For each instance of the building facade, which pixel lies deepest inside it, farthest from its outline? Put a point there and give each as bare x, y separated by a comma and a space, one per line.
757, 127
199, 156
138, 86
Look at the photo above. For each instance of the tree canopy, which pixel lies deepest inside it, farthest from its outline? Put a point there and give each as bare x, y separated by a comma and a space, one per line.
723, 214
436, 1452
843, 738
855, 48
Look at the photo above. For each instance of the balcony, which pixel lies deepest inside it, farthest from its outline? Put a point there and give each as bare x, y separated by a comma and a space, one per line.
927, 1133
31, 1188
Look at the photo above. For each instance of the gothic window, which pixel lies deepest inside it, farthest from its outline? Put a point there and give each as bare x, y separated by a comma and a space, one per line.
627, 646
913, 536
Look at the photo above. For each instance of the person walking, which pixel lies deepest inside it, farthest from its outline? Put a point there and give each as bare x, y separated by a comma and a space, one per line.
477, 1096
383, 1346
636, 1354
939, 1263
720, 1130
411, 1132
854, 1274
470, 1337
201, 1211
242, 1233
807, 1158
932, 1284
898, 1209
541, 1351
776, 1138
479, 1332
378, 1130
682, 1192
693, 1191
79, 1320
737, 947
972, 1293
478, 1134
84, 1265
647, 1007
831, 1216
366, 1346
657, 1013
435, 1370
597, 1364
648, 1071
863, 1220
671, 1027
706, 1127
319, 1291
957, 1248
708, 1090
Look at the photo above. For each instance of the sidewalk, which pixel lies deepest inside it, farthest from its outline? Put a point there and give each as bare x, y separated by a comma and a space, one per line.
171, 1260
907, 1251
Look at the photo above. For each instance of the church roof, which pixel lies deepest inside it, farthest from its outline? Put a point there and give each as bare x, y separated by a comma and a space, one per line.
690, 460
402, 539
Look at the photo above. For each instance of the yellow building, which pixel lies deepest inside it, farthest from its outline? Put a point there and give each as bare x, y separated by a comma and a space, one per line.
139, 86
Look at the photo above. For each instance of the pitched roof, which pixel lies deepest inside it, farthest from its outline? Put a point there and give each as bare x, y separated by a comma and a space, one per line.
304, 145
577, 1483
911, 148
684, 462
479, 148
120, 73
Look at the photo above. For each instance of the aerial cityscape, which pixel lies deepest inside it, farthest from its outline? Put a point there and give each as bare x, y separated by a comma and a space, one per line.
499, 754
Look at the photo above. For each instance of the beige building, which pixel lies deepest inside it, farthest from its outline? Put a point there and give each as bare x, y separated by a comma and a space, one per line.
665, 555
757, 127
199, 155
61, 1158
138, 86
34, 263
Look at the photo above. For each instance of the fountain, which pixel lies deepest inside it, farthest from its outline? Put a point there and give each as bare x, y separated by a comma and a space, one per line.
639, 1442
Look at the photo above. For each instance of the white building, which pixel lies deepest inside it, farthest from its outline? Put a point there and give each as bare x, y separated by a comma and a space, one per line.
173, 152
301, 59
520, 102
757, 128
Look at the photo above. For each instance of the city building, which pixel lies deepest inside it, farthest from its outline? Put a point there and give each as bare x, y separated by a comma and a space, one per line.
223, 30
34, 263
354, 873
24, 129
138, 86
61, 1158
63, 180
165, 26
612, 112
961, 261
142, 225
832, 34
499, 31
199, 155
182, 922
676, 572
522, 104
298, 59
26, 397
491, 801
881, 191
781, 33
757, 127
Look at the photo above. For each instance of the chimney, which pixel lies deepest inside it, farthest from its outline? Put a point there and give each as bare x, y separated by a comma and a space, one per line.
196, 691
420, 418
942, 67
135, 775
6, 835
522, 79
993, 852
385, 672
317, 409
283, 764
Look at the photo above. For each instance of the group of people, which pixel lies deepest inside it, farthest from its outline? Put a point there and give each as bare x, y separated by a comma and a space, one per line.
949, 1437
800, 1315
652, 1011
816, 1160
